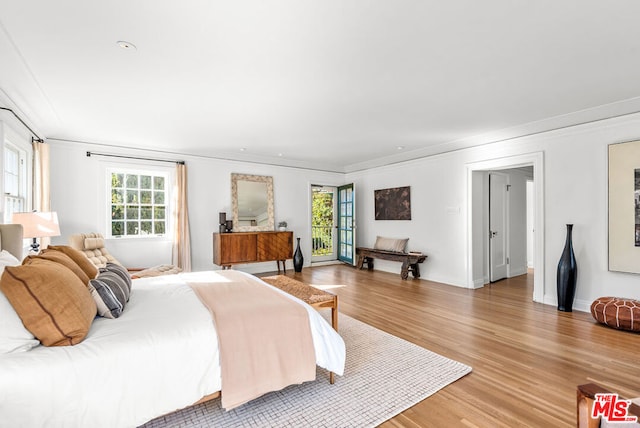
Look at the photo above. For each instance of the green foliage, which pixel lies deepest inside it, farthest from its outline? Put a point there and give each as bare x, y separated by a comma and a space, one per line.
132, 181
322, 223
117, 180
117, 228
145, 182
137, 204
322, 209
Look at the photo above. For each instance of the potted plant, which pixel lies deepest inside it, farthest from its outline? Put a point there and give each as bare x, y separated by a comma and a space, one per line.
282, 225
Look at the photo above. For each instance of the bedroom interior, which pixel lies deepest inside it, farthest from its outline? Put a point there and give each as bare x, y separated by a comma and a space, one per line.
433, 97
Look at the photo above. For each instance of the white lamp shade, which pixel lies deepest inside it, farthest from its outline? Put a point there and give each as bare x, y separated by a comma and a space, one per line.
38, 224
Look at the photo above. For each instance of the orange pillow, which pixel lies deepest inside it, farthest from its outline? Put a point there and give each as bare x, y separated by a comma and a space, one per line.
79, 257
58, 257
51, 301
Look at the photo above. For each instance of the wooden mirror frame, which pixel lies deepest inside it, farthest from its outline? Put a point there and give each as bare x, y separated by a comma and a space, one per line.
234, 202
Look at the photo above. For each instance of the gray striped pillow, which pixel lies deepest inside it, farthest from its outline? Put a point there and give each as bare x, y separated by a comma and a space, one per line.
121, 271
111, 293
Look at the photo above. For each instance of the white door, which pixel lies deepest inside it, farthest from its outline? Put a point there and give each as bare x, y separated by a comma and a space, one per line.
498, 257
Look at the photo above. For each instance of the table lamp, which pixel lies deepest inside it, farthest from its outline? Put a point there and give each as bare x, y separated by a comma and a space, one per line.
37, 225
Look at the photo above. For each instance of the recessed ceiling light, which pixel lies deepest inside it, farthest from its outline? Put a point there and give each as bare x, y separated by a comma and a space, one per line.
126, 45
243, 149
280, 154
400, 147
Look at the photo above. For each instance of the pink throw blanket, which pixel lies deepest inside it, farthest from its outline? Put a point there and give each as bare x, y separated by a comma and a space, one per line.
265, 337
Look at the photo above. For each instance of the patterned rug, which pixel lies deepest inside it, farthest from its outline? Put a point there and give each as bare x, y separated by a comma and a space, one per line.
384, 375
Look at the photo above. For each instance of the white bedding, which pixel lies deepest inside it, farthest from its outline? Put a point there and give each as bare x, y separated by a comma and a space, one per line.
159, 356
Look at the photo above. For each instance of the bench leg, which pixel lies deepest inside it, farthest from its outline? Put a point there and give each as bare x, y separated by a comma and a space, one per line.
369, 261
415, 270
360, 262
404, 273
334, 318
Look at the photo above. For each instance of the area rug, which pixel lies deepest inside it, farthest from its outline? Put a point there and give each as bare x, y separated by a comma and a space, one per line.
384, 375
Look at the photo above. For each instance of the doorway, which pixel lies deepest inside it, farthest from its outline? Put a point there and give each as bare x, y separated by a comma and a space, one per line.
323, 223
333, 228
478, 221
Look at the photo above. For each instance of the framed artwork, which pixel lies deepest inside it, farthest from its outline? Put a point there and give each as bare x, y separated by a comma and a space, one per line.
624, 207
393, 204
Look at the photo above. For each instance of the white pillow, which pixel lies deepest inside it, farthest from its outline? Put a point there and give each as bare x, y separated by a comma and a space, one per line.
7, 259
14, 337
391, 244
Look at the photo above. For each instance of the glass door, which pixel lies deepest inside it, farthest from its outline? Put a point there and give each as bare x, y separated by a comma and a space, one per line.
346, 223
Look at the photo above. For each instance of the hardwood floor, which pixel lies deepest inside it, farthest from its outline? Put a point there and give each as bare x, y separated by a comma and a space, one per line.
527, 357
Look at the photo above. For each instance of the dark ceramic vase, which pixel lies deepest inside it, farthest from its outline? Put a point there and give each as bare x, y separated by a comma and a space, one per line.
567, 274
298, 260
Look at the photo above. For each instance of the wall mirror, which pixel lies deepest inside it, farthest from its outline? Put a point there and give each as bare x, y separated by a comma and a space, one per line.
252, 202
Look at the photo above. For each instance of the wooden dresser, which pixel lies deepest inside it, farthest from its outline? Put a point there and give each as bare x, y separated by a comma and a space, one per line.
252, 247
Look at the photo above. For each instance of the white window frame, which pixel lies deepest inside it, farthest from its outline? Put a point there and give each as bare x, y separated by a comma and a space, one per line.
139, 170
12, 140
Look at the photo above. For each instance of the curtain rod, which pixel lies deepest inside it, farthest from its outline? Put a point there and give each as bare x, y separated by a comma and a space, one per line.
109, 155
37, 138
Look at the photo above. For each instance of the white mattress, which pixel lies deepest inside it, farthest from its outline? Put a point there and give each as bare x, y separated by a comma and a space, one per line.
159, 356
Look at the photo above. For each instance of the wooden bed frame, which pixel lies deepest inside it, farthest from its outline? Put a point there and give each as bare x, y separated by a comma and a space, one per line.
585, 397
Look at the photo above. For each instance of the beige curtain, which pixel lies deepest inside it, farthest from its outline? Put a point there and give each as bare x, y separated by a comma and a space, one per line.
41, 182
181, 254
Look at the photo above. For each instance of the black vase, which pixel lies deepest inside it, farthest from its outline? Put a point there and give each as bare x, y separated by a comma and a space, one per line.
567, 274
298, 260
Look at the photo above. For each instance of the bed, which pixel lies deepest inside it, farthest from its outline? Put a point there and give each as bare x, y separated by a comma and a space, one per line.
160, 355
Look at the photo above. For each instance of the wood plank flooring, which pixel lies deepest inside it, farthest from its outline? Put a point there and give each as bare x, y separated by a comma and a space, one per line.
527, 357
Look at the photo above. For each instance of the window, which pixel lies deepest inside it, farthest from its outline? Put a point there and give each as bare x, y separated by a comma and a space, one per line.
139, 203
15, 174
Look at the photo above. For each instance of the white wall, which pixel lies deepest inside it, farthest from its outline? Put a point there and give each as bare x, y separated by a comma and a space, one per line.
530, 223
575, 191
517, 222
77, 196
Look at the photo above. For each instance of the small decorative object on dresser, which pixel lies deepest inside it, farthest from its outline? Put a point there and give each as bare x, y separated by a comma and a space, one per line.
282, 226
567, 274
298, 259
222, 222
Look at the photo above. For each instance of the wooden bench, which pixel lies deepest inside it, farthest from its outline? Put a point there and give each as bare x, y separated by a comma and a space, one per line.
312, 296
409, 261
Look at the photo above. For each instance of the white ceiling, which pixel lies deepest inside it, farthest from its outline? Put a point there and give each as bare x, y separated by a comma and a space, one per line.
327, 84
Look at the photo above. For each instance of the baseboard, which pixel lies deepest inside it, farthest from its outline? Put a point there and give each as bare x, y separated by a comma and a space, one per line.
578, 305
517, 272
478, 283
327, 263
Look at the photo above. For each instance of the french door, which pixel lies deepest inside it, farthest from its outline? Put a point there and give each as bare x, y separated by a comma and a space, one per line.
346, 223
